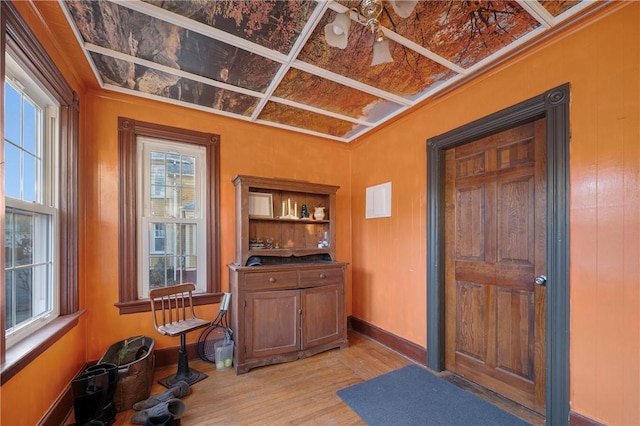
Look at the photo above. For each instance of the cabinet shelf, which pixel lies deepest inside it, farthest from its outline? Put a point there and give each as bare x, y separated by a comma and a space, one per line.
295, 251
278, 219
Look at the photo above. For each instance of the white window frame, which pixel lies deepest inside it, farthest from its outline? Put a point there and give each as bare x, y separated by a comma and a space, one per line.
46, 206
145, 196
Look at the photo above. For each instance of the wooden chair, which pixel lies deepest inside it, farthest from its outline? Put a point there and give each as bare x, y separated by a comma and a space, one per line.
173, 315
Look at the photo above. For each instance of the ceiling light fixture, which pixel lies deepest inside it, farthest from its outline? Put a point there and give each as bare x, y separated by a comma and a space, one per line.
368, 11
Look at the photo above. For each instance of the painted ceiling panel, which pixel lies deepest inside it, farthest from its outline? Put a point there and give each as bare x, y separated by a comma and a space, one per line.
149, 81
296, 117
275, 25
271, 62
555, 7
463, 32
306, 88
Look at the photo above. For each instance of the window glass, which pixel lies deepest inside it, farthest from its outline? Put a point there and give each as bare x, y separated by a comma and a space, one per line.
12, 114
171, 192
11, 168
30, 127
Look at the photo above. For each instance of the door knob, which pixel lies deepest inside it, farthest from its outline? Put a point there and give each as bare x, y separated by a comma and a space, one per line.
541, 280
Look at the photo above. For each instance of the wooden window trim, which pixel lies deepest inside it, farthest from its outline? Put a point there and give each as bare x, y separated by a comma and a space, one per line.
25, 351
16, 37
128, 132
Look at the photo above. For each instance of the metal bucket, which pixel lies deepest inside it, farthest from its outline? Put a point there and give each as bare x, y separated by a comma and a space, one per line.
136, 361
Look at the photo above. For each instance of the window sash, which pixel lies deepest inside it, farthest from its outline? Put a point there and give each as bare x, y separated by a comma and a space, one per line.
30, 281
181, 259
23, 142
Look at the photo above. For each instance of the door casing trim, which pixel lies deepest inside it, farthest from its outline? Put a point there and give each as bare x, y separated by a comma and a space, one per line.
554, 106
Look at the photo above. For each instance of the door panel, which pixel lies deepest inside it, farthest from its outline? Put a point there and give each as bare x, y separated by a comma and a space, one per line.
494, 247
323, 315
272, 322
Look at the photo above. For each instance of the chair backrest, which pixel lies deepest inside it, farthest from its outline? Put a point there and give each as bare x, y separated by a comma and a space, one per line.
175, 314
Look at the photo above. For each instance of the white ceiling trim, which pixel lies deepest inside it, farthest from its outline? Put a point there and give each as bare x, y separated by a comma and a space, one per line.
298, 45
536, 10
72, 24
307, 31
275, 82
424, 52
583, 5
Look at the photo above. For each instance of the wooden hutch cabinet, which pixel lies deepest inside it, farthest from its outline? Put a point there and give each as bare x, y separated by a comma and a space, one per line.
287, 289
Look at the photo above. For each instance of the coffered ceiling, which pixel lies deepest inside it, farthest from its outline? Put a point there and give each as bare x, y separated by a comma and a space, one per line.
269, 61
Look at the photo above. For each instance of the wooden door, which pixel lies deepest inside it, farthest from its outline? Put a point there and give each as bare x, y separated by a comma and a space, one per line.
495, 248
272, 322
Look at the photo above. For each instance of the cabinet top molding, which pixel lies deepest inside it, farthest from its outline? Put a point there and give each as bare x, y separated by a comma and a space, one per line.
284, 184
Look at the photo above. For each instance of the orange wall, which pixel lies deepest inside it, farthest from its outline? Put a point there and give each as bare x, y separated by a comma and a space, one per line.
601, 62
28, 395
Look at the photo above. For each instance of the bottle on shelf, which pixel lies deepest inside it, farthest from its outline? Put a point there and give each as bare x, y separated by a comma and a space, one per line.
324, 243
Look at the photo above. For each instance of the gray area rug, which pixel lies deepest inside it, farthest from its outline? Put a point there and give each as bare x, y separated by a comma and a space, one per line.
413, 396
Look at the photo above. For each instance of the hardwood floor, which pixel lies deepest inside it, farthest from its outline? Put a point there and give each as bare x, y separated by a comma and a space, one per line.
295, 393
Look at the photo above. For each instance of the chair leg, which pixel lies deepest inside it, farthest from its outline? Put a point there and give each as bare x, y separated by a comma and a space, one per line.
184, 373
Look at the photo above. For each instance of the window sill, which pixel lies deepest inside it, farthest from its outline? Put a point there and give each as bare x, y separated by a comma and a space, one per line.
21, 354
142, 305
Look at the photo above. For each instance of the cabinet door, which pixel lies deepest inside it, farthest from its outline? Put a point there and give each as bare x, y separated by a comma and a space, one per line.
272, 322
323, 315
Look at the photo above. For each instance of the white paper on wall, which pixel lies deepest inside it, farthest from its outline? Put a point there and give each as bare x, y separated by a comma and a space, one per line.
378, 201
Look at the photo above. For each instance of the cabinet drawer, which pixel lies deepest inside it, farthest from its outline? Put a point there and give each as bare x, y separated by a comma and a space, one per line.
271, 280
316, 277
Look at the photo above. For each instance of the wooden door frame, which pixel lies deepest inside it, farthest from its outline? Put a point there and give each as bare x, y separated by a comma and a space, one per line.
554, 106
